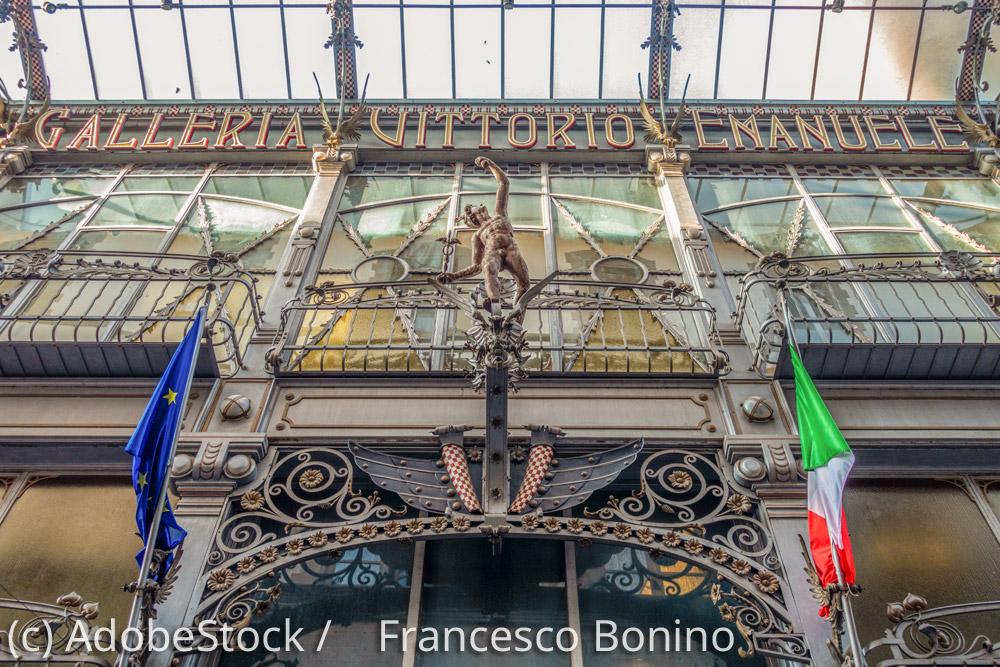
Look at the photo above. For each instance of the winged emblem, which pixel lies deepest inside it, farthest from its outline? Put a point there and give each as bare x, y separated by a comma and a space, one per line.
346, 131
18, 126
453, 481
823, 596
975, 133
657, 131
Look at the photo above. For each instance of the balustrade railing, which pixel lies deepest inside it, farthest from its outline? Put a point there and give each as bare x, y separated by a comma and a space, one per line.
893, 316
576, 326
88, 313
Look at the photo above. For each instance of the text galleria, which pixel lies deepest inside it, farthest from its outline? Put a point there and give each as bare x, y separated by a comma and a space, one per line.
548, 639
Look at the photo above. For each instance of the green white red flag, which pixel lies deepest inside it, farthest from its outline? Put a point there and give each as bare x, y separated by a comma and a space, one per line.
827, 460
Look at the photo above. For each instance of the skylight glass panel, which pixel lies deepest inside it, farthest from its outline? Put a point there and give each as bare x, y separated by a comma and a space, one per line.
161, 44
477, 53
625, 29
11, 72
527, 41
428, 53
66, 60
306, 36
213, 56
697, 32
793, 51
744, 49
262, 53
577, 53
838, 76
113, 51
381, 57
938, 62
890, 57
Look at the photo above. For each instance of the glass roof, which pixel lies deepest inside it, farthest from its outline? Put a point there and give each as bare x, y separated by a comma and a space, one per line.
130, 50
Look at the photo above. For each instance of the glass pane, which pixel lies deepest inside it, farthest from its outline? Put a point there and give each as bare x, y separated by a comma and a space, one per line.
51, 223
616, 230
854, 186
861, 211
961, 228
710, 193
993, 495
765, 228
47, 545
882, 242
628, 588
489, 184
969, 190
282, 190
344, 602
385, 230
238, 228
139, 210
29, 190
953, 537
467, 586
523, 211
130, 241
367, 189
159, 184
641, 191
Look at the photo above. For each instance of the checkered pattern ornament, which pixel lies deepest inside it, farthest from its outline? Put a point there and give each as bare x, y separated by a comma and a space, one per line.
538, 462
458, 471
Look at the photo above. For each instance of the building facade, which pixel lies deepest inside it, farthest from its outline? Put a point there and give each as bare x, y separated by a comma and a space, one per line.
365, 448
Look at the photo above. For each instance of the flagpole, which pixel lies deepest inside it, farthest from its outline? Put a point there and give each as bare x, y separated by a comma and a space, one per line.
849, 627
154, 525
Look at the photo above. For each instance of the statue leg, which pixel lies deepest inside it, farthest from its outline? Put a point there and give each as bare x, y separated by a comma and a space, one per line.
492, 263
518, 268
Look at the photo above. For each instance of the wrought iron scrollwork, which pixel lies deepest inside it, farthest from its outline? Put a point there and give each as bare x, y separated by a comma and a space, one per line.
919, 633
45, 638
309, 488
681, 489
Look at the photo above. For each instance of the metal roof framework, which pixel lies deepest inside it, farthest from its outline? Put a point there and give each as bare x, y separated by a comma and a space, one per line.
256, 50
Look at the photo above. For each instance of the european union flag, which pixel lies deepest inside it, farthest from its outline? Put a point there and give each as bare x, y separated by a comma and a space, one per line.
152, 444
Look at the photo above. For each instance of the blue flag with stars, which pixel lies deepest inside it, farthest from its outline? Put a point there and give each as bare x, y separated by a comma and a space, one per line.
152, 443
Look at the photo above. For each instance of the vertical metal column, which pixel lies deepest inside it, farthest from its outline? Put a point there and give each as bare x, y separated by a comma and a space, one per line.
496, 463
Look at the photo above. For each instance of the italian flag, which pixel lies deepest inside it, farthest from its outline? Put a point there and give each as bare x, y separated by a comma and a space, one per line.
828, 460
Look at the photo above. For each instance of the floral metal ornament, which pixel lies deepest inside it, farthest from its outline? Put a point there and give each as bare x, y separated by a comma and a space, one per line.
220, 580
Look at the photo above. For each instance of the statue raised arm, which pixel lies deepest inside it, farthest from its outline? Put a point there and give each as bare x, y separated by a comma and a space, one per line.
493, 245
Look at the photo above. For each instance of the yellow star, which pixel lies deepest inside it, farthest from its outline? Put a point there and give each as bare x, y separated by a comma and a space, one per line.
142, 480
171, 396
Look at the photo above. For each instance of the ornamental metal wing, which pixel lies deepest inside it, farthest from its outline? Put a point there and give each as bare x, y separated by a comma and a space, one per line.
558, 483
432, 485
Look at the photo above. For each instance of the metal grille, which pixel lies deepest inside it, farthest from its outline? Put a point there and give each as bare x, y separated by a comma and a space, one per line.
900, 316
579, 327
713, 170
62, 170
598, 169
905, 171
405, 169
512, 169
84, 313
833, 171
264, 169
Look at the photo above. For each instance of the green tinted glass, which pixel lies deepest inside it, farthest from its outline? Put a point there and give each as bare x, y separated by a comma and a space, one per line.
710, 193
288, 191
368, 189
634, 190
139, 210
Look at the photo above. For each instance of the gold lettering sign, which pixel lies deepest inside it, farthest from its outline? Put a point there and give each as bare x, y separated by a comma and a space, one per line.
465, 128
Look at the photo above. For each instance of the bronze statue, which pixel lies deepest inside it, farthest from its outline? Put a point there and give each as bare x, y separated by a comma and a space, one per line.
493, 245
